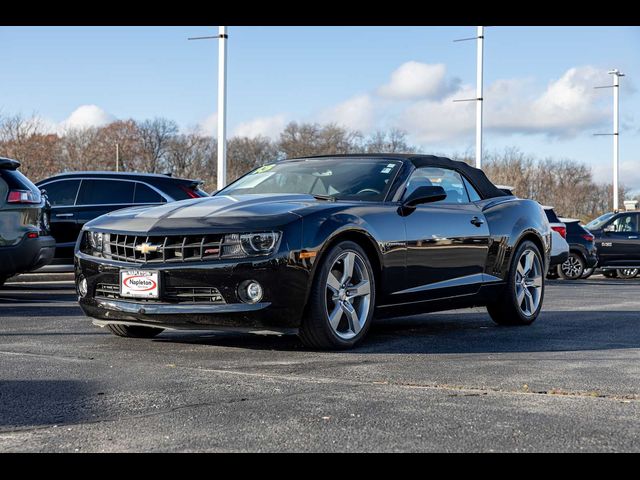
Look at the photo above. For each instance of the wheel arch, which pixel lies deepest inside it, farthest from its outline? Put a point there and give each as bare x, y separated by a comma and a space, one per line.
362, 238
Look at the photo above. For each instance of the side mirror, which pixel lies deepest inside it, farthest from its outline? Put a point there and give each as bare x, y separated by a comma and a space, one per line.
424, 194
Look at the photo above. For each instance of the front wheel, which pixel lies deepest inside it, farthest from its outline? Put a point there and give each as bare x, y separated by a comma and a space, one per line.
628, 273
572, 268
521, 300
133, 331
342, 299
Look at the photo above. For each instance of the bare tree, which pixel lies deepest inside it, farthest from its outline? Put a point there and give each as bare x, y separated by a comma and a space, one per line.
155, 138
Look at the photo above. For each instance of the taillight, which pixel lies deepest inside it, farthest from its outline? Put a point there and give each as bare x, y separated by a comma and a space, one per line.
561, 230
22, 196
189, 191
32, 235
588, 237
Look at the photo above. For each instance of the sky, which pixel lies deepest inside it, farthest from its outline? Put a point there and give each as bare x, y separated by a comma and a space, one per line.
539, 94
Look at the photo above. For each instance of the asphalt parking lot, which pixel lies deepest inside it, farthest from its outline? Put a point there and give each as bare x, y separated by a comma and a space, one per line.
450, 381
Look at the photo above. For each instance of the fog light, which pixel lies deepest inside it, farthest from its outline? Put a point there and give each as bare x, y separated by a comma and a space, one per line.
250, 291
82, 287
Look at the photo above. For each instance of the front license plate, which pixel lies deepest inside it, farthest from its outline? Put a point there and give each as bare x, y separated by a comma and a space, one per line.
139, 284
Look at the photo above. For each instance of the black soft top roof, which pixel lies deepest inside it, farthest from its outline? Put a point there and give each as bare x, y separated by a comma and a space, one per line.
476, 177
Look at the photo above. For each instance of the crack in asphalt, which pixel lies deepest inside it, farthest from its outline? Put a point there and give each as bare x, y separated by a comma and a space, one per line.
435, 386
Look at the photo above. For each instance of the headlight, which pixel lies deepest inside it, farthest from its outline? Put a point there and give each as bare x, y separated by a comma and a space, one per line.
249, 244
96, 243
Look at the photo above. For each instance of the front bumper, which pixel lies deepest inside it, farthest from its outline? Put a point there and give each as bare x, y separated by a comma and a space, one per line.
29, 254
283, 280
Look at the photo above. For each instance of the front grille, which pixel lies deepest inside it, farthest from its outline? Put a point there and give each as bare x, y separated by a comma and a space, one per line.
162, 249
170, 294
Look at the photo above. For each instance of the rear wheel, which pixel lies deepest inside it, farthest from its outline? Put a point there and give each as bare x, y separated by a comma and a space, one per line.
522, 297
628, 273
342, 299
610, 273
572, 268
134, 331
587, 272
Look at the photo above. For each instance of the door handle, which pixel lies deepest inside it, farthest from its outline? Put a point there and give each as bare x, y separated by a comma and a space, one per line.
477, 221
64, 215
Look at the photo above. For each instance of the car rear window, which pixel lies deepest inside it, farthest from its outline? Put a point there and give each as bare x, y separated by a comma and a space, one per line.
551, 216
17, 181
105, 192
575, 228
145, 194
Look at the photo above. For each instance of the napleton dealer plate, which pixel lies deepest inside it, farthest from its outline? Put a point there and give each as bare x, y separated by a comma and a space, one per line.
139, 284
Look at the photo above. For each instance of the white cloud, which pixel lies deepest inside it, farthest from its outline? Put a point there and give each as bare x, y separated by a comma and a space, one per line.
209, 125
413, 80
261, 126
569, 106
87, 116
357, 113
629, 173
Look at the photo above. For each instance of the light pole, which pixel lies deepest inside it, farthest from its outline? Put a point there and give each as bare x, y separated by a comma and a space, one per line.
479, 87
222, 104
616, 133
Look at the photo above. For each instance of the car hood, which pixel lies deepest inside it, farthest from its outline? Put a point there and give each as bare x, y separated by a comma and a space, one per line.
222, 213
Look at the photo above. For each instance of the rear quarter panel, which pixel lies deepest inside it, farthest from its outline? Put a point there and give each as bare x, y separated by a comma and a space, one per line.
510, 220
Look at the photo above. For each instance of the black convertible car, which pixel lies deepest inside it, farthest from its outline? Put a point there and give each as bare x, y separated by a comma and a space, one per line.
319, 246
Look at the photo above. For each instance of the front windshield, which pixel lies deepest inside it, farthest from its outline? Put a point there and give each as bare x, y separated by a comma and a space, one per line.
598, 222
340, 178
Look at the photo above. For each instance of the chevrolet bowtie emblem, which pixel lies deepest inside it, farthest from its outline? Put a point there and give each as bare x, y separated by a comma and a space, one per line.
145, 248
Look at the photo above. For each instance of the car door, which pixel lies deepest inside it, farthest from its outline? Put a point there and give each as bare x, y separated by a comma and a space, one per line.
99, 196
62, 197
447, 241
620, 241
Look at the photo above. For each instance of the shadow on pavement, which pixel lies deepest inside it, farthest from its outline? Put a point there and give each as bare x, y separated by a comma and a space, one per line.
462, 332
32, 403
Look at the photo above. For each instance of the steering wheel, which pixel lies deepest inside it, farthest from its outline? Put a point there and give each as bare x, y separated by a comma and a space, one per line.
369, 190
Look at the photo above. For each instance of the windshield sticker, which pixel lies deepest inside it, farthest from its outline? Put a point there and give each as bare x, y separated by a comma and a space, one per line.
385, 170
391, 165
264, 168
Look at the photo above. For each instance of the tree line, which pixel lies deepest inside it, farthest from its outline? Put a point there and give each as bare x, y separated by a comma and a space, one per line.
158, 146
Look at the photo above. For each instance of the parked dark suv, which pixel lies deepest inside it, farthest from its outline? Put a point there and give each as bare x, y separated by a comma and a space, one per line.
583, 253
618, 241
25, 243
79, 197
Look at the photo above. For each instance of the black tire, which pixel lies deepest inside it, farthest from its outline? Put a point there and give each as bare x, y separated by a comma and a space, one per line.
553, 273
610, 273
505, 310
627, 273
587, 273
315, 330
133, 331
572, 268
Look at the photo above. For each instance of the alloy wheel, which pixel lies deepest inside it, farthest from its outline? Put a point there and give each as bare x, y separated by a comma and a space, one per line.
528, 282
627, 273
572, 268
348, 295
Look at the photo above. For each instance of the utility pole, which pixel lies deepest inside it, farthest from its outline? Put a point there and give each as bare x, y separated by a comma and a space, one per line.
222, 104
117, 157
616, 134
479, 88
